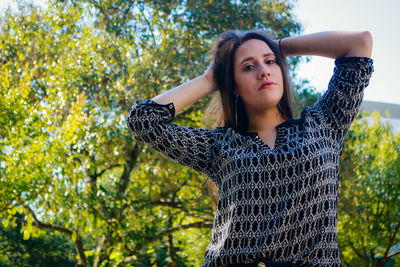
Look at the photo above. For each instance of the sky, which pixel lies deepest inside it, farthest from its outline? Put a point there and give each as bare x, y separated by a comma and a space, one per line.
379, 17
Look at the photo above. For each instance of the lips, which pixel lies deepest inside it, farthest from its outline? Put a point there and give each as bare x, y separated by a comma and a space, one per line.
267, 84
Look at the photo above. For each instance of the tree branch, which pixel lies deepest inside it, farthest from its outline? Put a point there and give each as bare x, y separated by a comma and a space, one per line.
78, 241
126, 260
151, 31
393, 254
171, 248
356, 251
186, 226
151, 238
6, 207
102, 10
126, 11
47, 226
93, 177
81, 251
98, 251
392, 238
131, 162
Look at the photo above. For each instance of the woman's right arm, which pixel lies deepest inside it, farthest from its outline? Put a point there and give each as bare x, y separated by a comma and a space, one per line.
188, 93
151, 123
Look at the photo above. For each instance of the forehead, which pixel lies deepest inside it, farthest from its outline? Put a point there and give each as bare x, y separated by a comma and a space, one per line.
252, 48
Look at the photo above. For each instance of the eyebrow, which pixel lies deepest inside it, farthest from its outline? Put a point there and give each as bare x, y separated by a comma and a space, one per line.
250, 58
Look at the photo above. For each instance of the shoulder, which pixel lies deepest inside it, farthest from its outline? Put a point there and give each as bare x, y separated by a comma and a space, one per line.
353, 68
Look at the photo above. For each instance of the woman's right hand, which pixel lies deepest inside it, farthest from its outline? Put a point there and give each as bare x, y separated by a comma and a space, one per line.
188, 93
209, 76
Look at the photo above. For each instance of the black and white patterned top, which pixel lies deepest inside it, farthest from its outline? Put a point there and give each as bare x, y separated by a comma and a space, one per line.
278, 204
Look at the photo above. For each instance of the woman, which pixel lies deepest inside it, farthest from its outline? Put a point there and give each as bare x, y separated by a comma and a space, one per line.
277, 176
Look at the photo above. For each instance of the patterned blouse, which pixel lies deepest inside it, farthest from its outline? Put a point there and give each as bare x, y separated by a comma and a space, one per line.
279, 204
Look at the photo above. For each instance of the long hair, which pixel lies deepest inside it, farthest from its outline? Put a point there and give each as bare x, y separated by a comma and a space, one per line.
234, 114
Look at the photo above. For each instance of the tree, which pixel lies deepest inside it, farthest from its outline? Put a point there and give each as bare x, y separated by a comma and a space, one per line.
70, 73
369, 207
47, 250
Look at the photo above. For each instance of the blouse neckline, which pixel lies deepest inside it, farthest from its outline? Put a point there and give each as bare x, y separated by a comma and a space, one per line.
279, 135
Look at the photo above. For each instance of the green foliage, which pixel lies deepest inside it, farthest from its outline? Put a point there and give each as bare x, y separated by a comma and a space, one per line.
305, 95
370, 194
48, 249
68, 164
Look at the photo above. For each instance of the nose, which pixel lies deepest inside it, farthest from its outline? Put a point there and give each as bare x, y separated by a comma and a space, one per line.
264, 72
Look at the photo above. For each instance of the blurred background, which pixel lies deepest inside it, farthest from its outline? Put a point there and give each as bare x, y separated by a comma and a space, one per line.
77, 190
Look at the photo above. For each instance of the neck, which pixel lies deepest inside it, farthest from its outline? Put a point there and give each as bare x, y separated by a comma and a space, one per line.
265, 120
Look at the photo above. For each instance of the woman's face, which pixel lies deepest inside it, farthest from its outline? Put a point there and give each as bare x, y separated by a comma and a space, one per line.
258, 77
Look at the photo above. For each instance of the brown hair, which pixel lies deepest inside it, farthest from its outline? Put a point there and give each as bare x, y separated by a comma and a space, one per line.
234, 114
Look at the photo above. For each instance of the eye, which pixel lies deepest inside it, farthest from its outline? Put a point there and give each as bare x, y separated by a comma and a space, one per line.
248, 67
270, 61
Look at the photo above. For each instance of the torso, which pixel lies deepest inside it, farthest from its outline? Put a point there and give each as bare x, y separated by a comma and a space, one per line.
273, 199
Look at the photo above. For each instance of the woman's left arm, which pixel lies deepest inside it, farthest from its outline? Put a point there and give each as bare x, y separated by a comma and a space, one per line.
332, 44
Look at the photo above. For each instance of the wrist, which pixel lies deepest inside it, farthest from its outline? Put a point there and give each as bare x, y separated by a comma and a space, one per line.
284, 47
280, 47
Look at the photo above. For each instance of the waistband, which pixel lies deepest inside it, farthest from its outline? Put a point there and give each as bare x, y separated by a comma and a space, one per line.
265, 263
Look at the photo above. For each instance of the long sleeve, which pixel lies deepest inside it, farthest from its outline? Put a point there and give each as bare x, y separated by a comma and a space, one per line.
150, 123
341, 102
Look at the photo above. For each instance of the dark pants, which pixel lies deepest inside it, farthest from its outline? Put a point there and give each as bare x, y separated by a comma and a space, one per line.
264, 263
